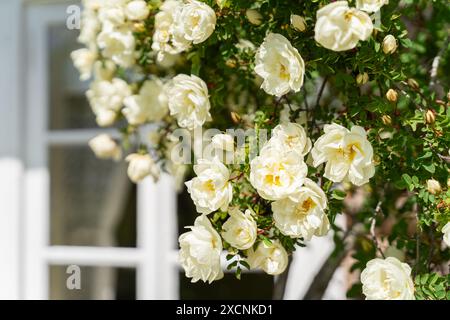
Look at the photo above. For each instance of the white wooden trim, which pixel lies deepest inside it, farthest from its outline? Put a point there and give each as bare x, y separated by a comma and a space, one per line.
10, 147
76, 136
93, 256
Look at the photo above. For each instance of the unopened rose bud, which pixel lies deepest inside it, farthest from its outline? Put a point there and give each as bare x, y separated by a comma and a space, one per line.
448, 182
139, 27
433, 186
141, 166
387, 120
430, 117
413, 83
391, 95
448, 95
235, 117
298, 22
362, 78
104, 147
254, 17
389, 44
231, 63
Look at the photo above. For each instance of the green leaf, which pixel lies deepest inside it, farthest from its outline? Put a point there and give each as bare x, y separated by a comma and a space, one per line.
338, 194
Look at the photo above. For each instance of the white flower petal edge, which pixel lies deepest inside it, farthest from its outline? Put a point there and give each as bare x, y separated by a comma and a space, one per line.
240, 230
273, 258
387, 279
292, 136
348, 154
189, 101
302, 215
370, 5
340, 28
211, 189
280, 65
200, 251
446, 232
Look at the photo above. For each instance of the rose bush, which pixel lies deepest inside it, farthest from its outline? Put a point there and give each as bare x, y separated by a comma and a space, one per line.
344, 106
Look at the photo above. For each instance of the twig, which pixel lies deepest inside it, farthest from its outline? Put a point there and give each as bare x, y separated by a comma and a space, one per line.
372, 228
322, 88
416, 210
435, 65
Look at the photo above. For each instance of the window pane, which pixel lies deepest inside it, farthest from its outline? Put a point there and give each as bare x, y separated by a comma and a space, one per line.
92, 201
101, 283
69, 108
251, 286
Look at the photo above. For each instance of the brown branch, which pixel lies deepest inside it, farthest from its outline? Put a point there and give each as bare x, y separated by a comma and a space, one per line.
372, 228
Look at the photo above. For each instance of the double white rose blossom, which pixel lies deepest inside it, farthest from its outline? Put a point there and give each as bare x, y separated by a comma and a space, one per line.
280, 65
273, 258
106, 99
240, 230
200, 251
279, 171
387, 279
303, 215
347, 154
189, 101
340, 28
178, 25
149, 105
210, 189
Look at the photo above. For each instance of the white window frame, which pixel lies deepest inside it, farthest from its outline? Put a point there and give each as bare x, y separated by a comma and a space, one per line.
153, 258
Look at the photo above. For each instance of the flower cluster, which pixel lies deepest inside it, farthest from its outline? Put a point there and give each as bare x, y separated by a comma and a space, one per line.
323, 79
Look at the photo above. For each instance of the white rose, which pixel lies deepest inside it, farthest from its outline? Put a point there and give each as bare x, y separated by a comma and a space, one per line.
280, 65
84, 59
223, 142
149, 105
104, 147
272, 259
446, 232
210, 189
370, 5
387, 279
389, 44
433, 186
118, 45
346, 153
106, 99
291, 136
137, 10
298, 22
340, 28
200, 251
141, 166
164, 41
240, 230
104, 70
89, 28
189, 101
277, 173
194, 22
302, 215
253, 16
